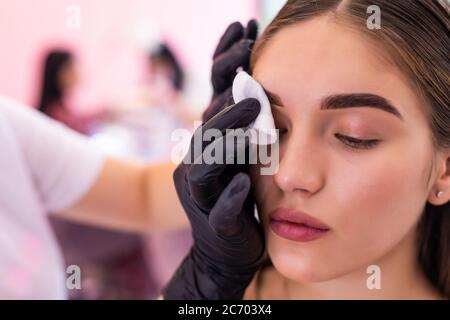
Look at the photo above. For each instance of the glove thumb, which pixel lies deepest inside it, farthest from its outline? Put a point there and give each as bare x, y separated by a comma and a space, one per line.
225, 218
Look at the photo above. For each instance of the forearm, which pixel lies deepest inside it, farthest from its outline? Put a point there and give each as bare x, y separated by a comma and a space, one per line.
132, 197
163, 208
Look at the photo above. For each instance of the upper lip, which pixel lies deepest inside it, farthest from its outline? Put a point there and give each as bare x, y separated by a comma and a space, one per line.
294, 216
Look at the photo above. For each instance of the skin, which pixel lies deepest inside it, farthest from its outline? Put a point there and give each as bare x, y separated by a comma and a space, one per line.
131, 196
159, 81
371, 198
69, 77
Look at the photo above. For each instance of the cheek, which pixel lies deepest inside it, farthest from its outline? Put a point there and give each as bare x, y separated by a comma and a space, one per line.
262, 185
379, 200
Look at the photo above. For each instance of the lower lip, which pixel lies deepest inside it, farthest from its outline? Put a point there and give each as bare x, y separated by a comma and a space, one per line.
295, 231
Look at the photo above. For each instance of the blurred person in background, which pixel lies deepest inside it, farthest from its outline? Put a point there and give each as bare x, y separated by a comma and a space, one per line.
166, 80
59, 79
146, 118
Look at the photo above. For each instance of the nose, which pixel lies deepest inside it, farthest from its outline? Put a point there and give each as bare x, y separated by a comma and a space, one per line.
301, 167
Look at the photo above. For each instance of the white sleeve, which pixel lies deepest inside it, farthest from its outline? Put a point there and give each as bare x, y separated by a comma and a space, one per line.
63, 164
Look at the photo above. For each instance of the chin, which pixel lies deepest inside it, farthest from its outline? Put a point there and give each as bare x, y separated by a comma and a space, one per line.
297, 270
302, 265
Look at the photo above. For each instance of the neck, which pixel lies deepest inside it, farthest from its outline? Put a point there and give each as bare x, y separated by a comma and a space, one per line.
401, 277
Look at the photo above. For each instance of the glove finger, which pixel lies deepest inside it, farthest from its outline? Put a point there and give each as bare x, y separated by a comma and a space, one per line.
239, 115
233, 33
219, 102
225, 218
251, 30
206, 177
226, 64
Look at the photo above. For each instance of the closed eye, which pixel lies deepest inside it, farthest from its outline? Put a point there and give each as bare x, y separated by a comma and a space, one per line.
356, 143
351, 142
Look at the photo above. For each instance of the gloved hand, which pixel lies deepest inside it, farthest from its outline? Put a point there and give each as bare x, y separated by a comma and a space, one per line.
228, 243
233, 51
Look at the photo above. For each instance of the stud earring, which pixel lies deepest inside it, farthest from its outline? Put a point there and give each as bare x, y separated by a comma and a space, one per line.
439, 194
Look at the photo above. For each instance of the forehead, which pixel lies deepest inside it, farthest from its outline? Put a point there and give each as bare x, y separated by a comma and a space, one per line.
317, 57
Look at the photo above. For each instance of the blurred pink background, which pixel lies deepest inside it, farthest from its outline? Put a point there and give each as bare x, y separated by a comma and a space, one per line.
111, 42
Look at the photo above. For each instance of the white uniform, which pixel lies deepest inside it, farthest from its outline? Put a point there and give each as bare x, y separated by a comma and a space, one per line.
44, 167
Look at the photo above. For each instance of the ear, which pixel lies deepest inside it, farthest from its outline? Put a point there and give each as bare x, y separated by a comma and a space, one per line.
442, 183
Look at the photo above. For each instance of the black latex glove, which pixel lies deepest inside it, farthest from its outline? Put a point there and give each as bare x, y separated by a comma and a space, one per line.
233, 51
228, 241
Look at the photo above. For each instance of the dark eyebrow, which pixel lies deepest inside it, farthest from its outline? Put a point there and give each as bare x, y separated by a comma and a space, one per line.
359, 100
273, 98
351, 100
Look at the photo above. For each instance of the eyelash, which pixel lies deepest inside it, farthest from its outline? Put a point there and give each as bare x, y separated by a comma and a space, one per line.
351, 142
355, 143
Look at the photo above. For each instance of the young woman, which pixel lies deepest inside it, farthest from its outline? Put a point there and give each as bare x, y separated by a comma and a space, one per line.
59, 78
365, 136
364, 172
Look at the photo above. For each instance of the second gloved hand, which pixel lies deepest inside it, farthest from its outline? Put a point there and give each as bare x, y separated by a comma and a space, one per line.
228, 241
232, 52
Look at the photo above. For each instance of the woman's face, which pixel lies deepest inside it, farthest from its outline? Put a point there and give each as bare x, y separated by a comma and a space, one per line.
160, 80
68, 78
369, 195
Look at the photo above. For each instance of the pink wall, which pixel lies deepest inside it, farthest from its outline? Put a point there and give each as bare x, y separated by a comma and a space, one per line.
110, 55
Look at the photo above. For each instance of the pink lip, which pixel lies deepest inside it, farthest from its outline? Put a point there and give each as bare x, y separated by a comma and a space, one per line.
296, 225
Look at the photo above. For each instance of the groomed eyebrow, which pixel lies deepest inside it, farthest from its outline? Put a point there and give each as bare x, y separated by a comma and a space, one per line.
359, 100
273, 98
351, 100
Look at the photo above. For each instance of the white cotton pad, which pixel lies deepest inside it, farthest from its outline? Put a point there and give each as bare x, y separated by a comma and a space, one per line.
244, 86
